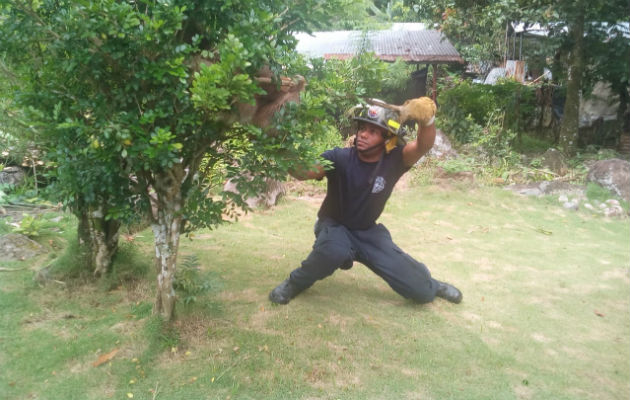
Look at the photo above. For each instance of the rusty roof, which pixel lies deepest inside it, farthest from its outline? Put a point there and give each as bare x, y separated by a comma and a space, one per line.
414, 46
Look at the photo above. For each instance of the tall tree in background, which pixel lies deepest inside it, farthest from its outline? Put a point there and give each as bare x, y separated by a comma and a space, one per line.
129, 98
590, 29
585, 35
568, 137
476, 28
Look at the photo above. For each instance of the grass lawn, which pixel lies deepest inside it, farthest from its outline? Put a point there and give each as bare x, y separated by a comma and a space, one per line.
545, 313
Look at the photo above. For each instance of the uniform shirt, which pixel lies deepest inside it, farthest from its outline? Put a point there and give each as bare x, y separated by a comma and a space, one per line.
358, 190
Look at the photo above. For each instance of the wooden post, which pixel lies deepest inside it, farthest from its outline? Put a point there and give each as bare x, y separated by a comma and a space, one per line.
434, 87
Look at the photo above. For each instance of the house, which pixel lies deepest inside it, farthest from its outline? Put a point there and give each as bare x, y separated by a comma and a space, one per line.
411, 42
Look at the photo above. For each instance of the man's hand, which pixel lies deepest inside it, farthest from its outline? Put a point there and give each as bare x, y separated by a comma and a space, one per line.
421, 110
317, 171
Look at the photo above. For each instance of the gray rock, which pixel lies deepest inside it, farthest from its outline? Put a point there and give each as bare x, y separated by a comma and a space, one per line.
442, 148
563, 189
14, 246
554, 160
613, 174
613, 211
572, 205
612, 202
12, 175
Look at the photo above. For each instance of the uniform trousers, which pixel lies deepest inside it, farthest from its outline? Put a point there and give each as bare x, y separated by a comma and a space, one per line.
338, 247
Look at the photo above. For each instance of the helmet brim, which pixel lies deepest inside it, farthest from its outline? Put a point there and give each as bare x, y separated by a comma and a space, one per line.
372, 122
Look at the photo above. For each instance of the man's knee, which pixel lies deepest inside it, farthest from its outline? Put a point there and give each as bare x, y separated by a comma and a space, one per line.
331, 255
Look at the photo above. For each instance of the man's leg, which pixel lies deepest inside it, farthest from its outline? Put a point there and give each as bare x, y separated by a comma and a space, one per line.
408, 277
332, 250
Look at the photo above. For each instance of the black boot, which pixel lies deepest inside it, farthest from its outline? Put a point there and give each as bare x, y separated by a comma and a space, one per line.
284, 292
449, 292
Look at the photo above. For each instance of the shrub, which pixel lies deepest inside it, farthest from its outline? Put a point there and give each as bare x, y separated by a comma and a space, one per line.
189, 282
596, 192
461, 128
476, 103
494, 142
30, 225
455, 165
530, 144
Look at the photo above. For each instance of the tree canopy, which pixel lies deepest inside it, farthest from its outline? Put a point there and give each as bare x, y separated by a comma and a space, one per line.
130, 98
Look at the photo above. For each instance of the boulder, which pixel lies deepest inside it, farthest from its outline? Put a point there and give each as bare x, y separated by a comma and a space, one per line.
12, 175
613, 174
564, 189
442, 148
554, 160
14, 246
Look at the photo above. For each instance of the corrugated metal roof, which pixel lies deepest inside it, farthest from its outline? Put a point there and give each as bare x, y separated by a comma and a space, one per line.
416, 46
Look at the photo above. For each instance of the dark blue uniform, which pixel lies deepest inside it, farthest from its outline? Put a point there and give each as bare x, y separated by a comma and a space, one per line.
346, 230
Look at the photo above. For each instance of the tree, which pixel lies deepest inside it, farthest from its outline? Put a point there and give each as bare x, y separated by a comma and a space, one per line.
571, 118
593, 29
476, 28
584, 37
130, 98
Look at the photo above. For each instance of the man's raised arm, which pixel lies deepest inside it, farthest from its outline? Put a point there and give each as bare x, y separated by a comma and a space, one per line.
422, 110
413, 151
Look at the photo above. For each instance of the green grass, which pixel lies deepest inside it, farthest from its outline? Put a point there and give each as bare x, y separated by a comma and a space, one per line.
544, 315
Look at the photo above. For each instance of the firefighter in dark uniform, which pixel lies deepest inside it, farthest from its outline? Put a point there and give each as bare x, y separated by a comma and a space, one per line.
360, 181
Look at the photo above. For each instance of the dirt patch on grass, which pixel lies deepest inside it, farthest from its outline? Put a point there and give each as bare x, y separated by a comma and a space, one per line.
317, 375
246, 295
331, 375
485, 264
139, 291
128, 327
103, 392
541, 338
199, 329
616, 274
78, 367
494, 325
471, 317
574, 353
260, 320
483, 278
523, 391
418, 394
47, 321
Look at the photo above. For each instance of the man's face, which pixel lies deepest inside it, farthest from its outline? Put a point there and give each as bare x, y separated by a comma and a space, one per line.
370, 137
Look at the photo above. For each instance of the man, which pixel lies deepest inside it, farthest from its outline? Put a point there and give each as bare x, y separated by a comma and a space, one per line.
360, 181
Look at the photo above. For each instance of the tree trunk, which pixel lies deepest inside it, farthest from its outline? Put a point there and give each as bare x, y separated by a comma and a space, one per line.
166, 226
99, 239
571, 118
622, 111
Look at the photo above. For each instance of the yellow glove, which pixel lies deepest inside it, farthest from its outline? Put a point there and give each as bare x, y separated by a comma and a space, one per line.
421, 110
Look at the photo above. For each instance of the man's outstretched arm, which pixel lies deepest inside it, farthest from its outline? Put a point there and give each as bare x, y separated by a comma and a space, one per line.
303, 173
